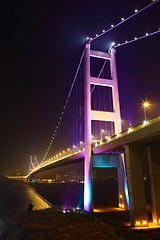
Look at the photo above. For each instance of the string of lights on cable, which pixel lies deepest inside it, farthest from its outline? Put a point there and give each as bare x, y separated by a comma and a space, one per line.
136, 11
90, 40
135, 39
62, 113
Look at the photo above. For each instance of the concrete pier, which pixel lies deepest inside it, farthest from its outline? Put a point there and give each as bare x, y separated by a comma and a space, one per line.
135, 180
154, 172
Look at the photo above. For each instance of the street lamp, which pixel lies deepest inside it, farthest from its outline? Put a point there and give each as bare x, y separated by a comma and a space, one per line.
145, 106
102, 131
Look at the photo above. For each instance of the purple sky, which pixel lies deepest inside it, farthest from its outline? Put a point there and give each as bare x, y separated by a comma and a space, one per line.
40, 47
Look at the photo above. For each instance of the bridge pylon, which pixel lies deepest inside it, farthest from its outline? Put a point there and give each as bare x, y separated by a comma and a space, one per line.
32, 165
90, 114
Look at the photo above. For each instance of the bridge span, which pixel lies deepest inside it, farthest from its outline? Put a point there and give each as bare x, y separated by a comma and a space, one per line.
136, 144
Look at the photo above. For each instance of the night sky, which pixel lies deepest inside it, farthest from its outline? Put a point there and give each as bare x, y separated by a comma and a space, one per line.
40, 47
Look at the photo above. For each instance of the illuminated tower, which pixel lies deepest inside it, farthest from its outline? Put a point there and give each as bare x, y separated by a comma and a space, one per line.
33, 163
90, 115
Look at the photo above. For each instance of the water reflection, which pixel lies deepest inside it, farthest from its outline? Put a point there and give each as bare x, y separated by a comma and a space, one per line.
36, 199
16, 198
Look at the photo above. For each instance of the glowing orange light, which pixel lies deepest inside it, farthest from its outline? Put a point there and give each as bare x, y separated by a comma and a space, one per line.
137, 222
146, 104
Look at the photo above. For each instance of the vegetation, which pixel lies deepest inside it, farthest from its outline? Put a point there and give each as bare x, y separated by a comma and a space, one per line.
51, 224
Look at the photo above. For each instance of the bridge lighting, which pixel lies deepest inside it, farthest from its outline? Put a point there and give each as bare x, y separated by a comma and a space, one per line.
135, 38
81, 144
144, 222
136, 10
96, 35
122, 19
137, 222
118, 135
87, 38
109, 139
126, 41
68, 149
146, 34
112, 25
145, 123
122, 205
145, 105
103, 31
102, 131
112, 44
63, 151
130, 129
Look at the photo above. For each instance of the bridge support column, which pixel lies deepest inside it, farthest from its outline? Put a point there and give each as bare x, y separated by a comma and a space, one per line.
87, 132
122, 184
135, 180
154, 172
29, 179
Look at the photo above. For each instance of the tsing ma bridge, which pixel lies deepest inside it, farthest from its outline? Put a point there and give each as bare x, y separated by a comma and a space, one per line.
92, 108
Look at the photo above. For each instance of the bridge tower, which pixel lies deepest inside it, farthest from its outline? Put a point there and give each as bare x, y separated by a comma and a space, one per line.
32, 164
90, 114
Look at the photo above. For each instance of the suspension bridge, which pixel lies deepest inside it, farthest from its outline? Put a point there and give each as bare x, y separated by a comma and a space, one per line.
91, 128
